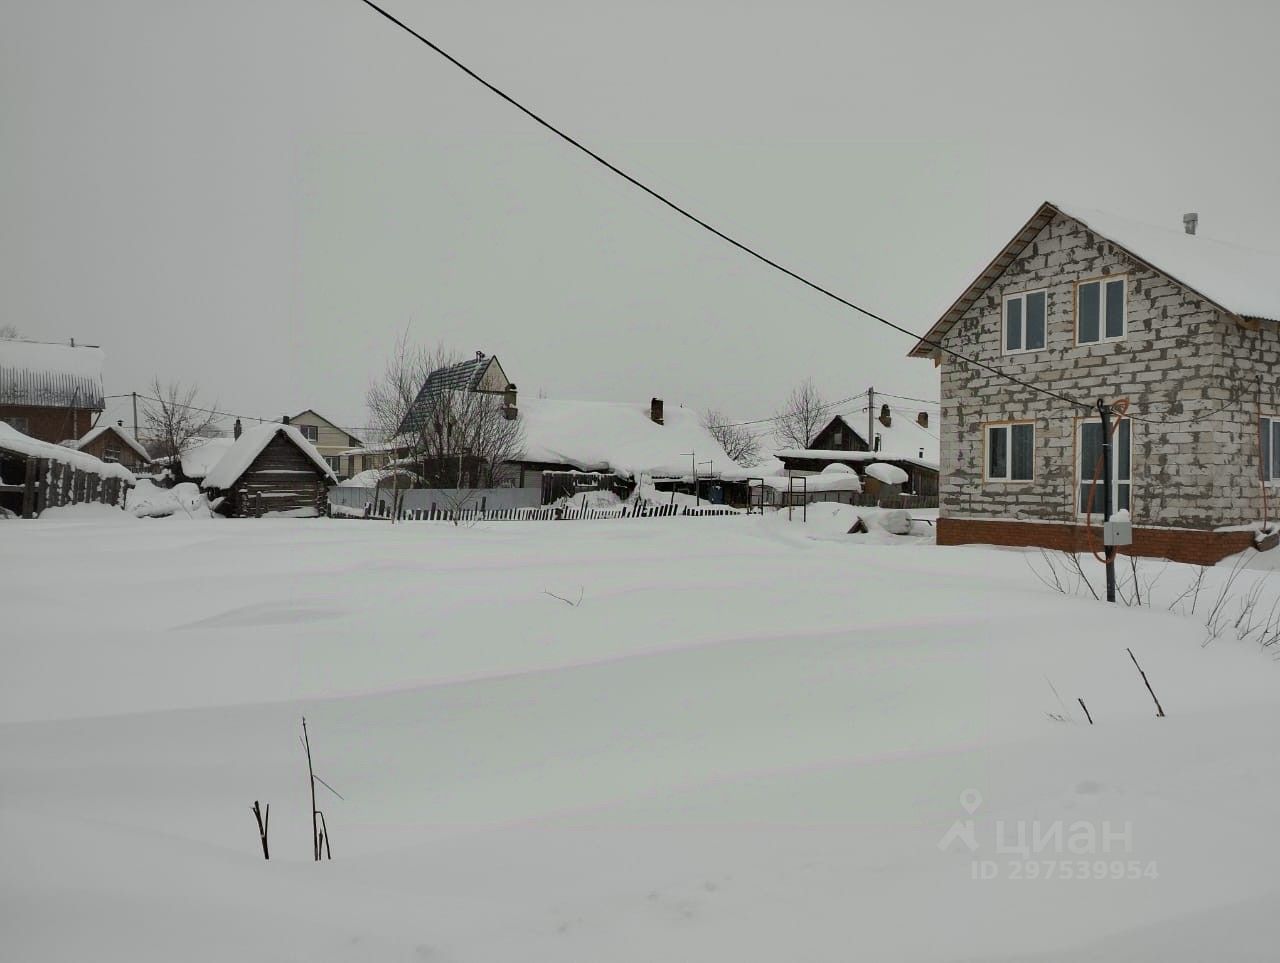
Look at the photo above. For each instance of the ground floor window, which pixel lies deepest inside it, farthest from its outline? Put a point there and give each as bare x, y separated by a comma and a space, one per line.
1269, 430
1010, 452
1089, 448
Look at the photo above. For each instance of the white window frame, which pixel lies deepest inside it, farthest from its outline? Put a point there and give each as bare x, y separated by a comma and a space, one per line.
1004, 321
309, 432
1102, 283
1076, 499
1007, 428
1271, 472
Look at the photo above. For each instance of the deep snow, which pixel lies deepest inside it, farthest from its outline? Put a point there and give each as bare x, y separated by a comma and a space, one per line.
745, 743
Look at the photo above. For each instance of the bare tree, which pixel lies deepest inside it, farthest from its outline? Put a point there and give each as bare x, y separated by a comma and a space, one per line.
9, 333
738, 442
174, 423
802, 415
456, 438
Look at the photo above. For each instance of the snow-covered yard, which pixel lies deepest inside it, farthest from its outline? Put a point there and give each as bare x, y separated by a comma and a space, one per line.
748, 741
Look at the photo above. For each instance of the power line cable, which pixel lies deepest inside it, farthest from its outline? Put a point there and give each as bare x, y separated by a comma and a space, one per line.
705, 225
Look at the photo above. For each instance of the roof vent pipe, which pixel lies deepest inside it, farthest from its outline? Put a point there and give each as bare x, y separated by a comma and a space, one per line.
1190, 222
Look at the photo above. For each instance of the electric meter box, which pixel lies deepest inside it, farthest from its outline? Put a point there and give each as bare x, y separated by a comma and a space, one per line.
1117, 533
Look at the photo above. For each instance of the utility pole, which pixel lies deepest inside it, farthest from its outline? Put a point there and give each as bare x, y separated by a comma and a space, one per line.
871, 419
1109, 551
135, 415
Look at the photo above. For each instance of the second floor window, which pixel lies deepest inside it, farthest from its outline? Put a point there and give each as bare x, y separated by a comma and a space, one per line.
1100, 310
1024, 319
310, 432
111, 454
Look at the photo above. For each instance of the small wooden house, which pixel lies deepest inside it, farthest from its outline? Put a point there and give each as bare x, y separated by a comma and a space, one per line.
270, 470
114, 445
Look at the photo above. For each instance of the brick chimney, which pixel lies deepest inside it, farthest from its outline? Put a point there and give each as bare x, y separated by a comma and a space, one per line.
509, 409
235, 431
922, 419
886, 418
655, 410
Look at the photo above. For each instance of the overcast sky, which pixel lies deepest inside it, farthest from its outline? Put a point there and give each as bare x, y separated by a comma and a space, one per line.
257, 195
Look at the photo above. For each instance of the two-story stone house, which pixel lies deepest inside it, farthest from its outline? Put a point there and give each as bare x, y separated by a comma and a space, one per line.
1089, 306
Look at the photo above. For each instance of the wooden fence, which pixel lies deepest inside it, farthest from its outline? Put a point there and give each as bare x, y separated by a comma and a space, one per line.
50, 484
546, 513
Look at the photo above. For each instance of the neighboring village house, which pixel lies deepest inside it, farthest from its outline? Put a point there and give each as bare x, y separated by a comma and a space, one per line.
481, 375
363, 458
1092, 306
270, 469
113, 444
50, 392
903, 439
570, 446
573, 445
332, 442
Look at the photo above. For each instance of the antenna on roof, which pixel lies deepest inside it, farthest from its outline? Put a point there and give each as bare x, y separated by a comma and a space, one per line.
1190, 222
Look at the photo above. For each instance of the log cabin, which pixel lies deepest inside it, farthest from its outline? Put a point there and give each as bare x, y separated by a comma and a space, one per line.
270, 470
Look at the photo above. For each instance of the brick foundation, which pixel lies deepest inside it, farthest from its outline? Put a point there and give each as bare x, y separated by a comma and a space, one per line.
1179, 545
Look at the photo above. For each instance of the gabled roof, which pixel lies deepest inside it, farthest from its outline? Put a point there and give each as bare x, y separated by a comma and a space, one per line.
249, 445
905, 437
355, 442
464, 376
1239, 281
93, 434
50, 375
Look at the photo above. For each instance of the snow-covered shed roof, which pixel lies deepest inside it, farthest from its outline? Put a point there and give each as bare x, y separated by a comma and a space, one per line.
94, 433
249, 446
370, 477
620, 437
14, 441
809, 484
199, 459
50, 375
1239, 281
854, 457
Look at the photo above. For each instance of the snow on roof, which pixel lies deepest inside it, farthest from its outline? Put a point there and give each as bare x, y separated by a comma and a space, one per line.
858, 457
93, 434
50, 375
823, 482
620, 438
1243, 280
15, 441
887, 474
370, 477
199, 460
904, 438
249, 446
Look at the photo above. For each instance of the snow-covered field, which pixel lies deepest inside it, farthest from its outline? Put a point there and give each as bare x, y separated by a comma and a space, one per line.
748, 741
